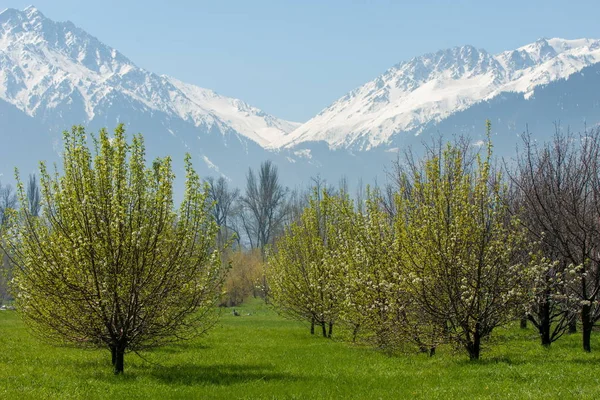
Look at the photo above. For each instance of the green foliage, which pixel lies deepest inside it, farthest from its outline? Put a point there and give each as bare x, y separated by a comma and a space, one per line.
244, 278
461, 246
374, 303
109, 262
447, 265
303, 277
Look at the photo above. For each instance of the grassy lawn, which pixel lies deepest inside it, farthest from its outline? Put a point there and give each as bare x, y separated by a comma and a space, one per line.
263, 356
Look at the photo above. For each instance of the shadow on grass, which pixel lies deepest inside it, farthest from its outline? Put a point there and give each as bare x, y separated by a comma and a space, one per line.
584, 361
221, 374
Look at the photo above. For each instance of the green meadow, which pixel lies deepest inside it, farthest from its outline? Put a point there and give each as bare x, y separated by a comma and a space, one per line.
263, 356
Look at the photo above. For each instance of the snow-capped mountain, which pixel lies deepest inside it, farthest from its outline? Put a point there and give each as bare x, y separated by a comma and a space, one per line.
54, 75
414, 95
48, 69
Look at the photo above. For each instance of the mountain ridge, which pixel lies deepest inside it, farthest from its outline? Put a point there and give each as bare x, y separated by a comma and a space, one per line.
431, 87
53, 74
46, 63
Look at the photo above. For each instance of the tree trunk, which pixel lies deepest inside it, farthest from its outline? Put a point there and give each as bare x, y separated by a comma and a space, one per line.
587, 326
312, 326
355, 332
324, 326
474, 346
330, 329
113, 353
573, 323
432, 351
119, 359
523, 324
265, 288
545, 325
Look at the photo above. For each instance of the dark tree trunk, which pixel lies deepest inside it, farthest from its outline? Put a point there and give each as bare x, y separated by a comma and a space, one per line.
432, 351
545, 324
474, 349
474, 346
312, 326
573, 323
587, 327
324, 326
330, 329
523, 324
355, 333
119, 355
113, 353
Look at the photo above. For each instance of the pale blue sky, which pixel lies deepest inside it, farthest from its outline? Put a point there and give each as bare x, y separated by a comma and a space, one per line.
293, 58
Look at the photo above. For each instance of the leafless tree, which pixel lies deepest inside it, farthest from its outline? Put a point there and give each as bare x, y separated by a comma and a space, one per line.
224, 209
559, 188
33, 195
263, 205
550, 309
8, 201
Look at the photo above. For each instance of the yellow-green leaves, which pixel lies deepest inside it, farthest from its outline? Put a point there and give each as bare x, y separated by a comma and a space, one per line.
110, 262
303, 272
462, 248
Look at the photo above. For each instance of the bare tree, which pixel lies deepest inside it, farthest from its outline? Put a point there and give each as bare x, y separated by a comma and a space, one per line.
264, 205
8, 201
33, 195
224, 209
559, 185
549, 308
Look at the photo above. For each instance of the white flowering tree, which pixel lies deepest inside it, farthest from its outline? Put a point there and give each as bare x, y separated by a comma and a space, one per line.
376, 305
110, 263
368, 267
551, 303
303, 278
461, 247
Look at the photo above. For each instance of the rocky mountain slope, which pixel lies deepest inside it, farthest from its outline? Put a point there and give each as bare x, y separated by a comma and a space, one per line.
426, 90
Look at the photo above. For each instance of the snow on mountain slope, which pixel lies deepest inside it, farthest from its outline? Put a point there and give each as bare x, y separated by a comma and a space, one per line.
46, 66
430, 88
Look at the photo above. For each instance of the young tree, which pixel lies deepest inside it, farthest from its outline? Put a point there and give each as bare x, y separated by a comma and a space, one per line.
376, 304
302, 275
559, 188
110, 263
462, 248
549, 308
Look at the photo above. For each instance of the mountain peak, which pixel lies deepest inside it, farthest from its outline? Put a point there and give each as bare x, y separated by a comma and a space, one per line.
57, 70
429, 88
29, 14
32, 12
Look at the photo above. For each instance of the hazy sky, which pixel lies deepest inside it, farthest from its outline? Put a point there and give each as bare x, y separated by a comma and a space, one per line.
293, 58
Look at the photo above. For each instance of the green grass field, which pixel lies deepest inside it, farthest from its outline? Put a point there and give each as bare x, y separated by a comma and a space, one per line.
265, 356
